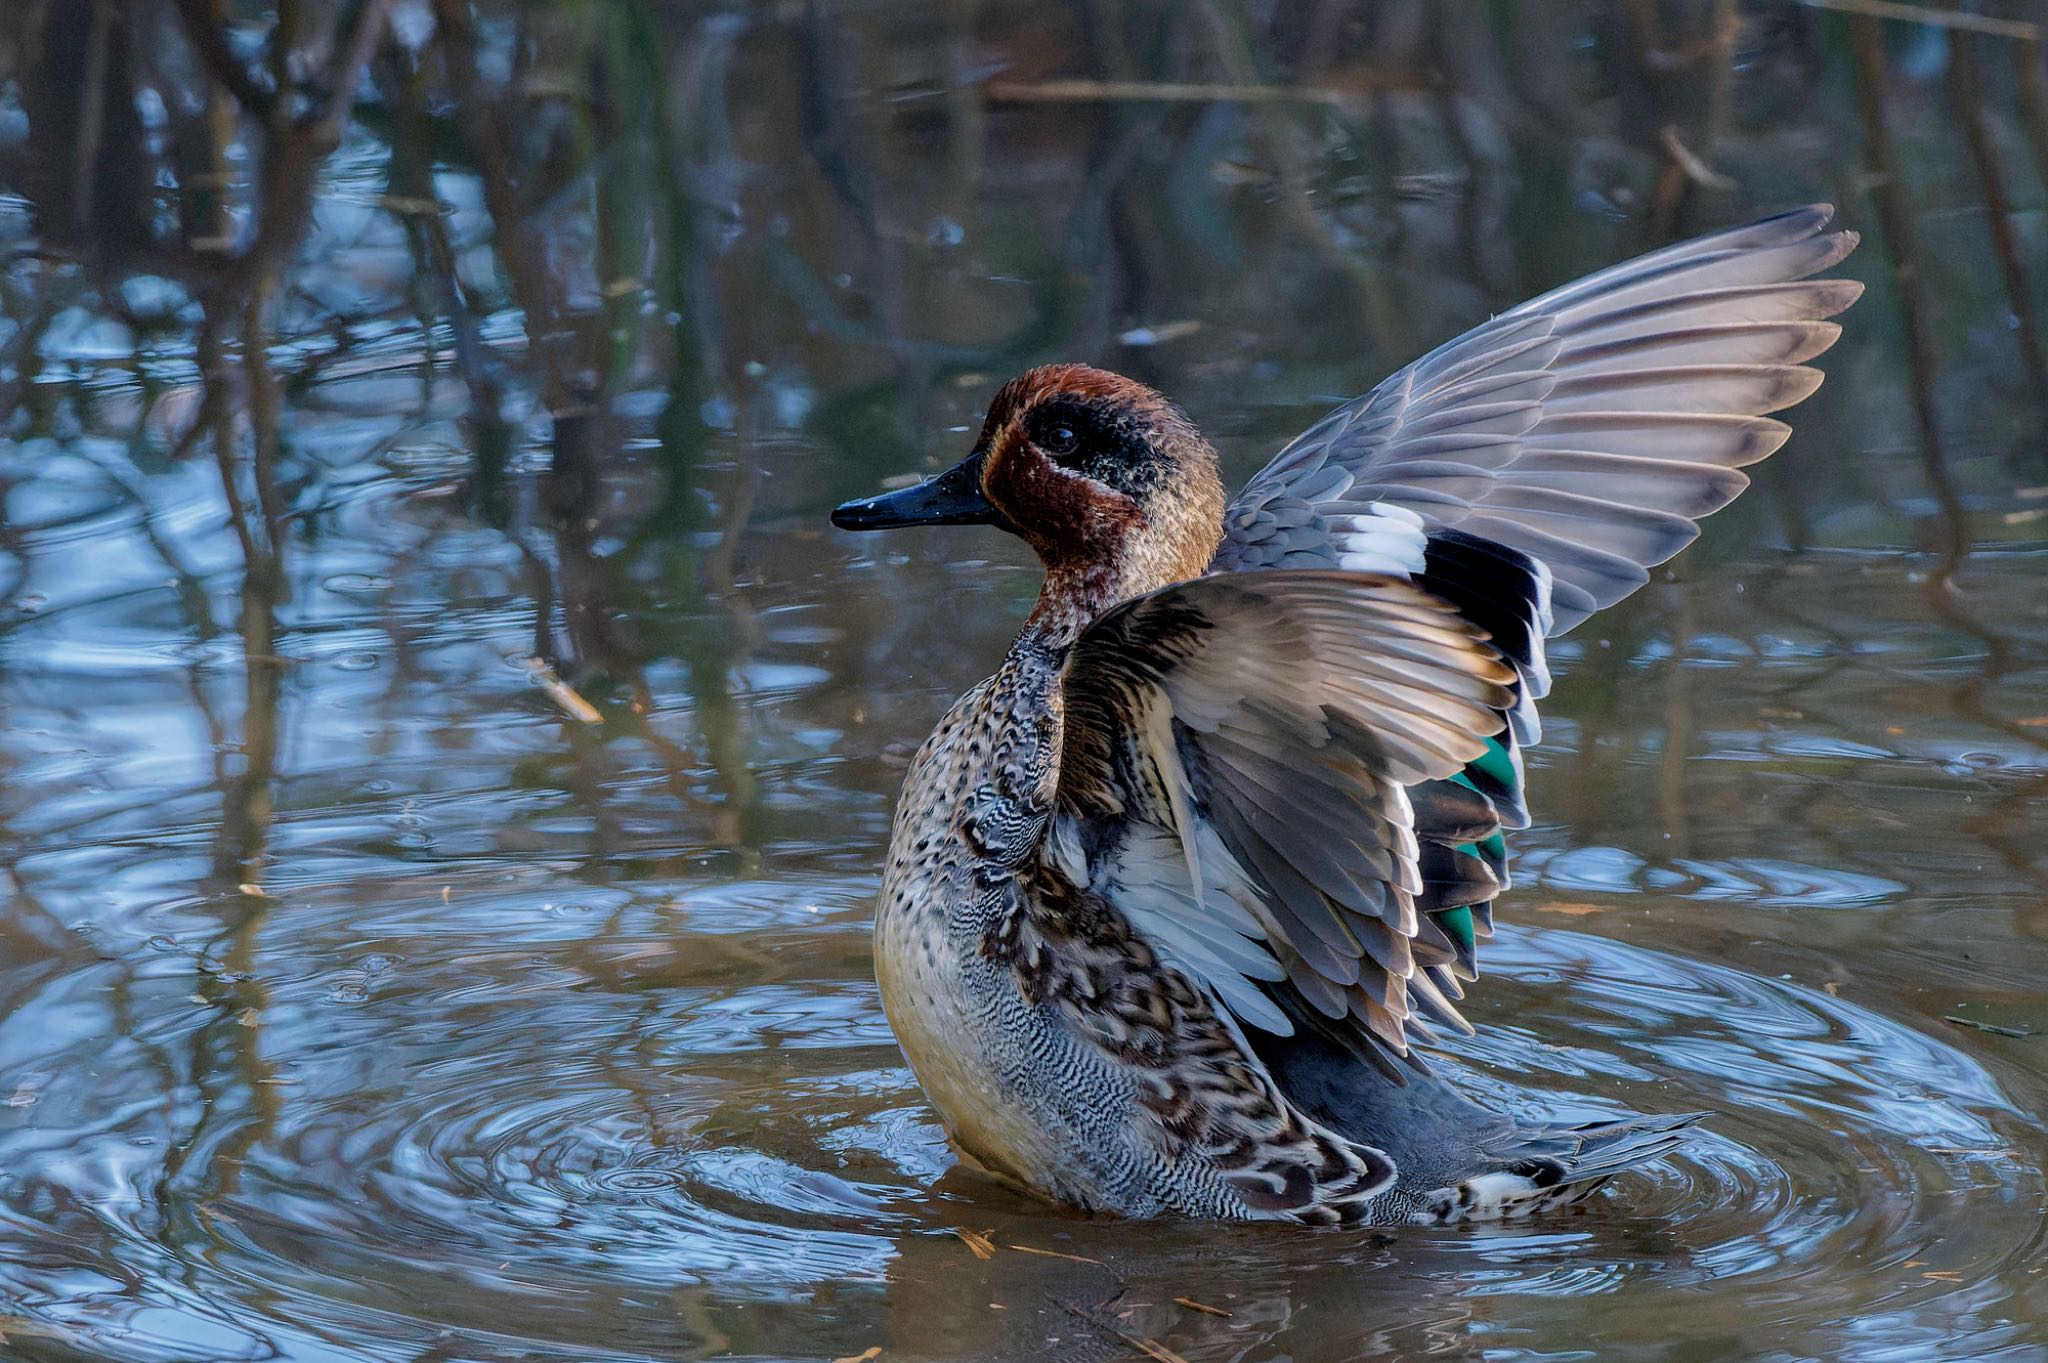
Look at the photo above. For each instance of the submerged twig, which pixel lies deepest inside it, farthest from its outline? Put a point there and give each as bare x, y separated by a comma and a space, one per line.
1690, 162
1151, 1348
1994, 1028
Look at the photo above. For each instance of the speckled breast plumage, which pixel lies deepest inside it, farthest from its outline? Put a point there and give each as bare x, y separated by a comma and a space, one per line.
1060, 1050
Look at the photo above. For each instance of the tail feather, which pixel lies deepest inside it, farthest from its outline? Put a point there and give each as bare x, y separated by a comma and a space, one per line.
1554, 1166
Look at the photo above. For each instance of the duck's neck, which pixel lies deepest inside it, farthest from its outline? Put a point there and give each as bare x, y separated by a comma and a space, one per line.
1070, 600
1078, 590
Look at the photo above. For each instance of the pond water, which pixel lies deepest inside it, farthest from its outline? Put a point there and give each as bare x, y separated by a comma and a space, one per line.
361, 1001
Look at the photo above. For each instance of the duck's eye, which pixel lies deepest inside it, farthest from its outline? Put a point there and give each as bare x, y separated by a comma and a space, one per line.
1064, 435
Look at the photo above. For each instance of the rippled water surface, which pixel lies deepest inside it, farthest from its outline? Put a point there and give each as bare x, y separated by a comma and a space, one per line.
360, 1001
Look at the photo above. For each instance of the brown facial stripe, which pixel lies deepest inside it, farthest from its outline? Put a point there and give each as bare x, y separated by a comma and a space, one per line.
1066, 518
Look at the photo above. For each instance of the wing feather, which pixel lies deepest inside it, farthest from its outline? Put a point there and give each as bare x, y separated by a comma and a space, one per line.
1673, 359
1531, 472
1258, 735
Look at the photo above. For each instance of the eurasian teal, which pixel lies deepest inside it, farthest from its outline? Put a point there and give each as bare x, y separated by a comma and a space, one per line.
1173, 896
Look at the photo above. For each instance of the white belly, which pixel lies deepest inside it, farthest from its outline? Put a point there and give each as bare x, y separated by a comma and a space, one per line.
947, 1039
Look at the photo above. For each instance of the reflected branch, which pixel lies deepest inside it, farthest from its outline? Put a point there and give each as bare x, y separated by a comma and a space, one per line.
206, 28
1963, 85
483, 122
298, 146
1866, 43
246, 802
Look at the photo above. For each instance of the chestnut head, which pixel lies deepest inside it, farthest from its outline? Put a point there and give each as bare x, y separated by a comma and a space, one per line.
1091, 469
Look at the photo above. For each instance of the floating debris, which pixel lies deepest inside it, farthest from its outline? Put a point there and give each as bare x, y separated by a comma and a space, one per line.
983, 1247
2022, 1033
1203, 1307
1056, 1254
563, 694
1151, 1348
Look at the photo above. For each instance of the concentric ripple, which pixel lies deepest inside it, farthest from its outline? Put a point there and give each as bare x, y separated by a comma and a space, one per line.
597, 1117
519, 1055
1833, 1135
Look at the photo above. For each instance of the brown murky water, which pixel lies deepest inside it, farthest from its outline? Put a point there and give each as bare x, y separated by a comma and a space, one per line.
358, 1002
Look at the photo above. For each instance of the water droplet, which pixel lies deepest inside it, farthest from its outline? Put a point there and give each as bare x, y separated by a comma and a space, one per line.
348, 991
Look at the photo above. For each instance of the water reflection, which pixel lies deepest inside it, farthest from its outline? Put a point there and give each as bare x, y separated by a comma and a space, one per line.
357, 1001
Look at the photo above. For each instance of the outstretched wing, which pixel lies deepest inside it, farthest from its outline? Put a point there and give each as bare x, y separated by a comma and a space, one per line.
1235, 779
1534, 469
1589, 429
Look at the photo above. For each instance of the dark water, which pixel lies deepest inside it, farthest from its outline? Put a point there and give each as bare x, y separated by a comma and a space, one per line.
357, 1002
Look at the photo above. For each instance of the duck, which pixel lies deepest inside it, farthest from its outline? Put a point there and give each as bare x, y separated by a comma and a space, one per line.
1177, 900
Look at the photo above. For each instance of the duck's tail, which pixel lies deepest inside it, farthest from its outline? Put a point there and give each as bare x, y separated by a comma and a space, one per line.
1552, 1166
